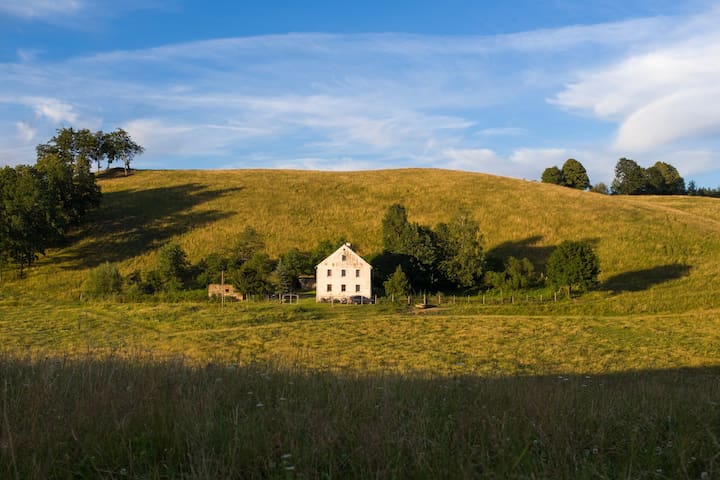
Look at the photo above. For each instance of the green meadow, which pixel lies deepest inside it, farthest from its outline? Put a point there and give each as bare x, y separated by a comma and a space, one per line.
621, 382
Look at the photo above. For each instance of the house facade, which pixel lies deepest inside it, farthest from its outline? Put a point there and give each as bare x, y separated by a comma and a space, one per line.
343, 276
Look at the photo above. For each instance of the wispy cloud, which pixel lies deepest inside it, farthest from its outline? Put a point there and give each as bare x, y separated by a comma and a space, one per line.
41, 8
663, 93
379, 100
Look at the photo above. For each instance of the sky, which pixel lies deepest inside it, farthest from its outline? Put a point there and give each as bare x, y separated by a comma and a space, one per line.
507, 88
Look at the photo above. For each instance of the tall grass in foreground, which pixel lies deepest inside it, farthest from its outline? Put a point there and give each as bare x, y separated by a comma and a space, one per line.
144, 418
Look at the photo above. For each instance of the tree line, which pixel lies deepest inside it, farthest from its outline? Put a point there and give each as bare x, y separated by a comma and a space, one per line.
630, 179
245, 264
39, 203
414, 258
451, 258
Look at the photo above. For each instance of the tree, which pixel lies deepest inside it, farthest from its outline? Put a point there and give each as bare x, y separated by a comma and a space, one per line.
630, 178
517, 274
460, 251
119, 146
665, 179
397, 285
173, 267
253, 276
65, 161
211, 268
573, 265
416, 242
600, 188
285, 279
574, 175
553, 175
28, 218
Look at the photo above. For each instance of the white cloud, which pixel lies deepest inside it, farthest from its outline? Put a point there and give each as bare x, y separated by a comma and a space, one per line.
40, 8
503, 131
26, 132
666, 93
380, 100
55, 110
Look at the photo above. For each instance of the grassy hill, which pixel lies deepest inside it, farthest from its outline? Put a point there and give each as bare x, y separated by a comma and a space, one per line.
618, 383
657, 253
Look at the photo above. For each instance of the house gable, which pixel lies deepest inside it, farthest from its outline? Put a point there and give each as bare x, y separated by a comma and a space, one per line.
342, 275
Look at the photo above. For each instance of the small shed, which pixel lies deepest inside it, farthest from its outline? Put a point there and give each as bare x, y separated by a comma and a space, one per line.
223, 290
307, 282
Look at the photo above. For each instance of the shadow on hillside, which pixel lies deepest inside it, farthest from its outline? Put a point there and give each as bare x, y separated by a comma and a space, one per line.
130, 222
526, 248
643, 279
454, 427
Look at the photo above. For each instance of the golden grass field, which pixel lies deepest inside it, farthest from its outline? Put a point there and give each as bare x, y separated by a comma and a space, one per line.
621, 382
659, 280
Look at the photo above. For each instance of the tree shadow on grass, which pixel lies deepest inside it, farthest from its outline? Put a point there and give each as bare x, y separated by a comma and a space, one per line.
525, 248
130, 222
644, 279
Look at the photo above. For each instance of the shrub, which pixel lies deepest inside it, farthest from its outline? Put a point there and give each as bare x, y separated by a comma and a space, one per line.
104, 280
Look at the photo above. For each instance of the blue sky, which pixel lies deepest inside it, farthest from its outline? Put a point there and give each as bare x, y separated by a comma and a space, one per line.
507, 88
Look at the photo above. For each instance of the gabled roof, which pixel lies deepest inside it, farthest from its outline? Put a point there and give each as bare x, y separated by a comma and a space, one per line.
352, 258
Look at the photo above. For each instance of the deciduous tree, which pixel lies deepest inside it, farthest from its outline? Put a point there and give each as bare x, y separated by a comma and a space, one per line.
574, 175
552, 175
397, 285
573, 265
630, 178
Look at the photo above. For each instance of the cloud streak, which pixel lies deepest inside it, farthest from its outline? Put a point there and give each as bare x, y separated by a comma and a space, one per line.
382, 100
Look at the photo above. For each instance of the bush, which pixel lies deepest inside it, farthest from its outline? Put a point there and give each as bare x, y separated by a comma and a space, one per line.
573, 264
104, 280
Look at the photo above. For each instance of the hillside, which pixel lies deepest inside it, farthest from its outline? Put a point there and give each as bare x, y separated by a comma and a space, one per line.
657, 253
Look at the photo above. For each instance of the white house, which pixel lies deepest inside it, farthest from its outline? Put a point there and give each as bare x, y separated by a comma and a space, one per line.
342, 276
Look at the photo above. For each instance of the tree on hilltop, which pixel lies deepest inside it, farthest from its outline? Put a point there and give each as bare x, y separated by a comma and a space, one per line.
552, 175
630, 178
575, 175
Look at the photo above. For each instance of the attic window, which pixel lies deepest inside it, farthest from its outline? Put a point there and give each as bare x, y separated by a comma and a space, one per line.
344, 258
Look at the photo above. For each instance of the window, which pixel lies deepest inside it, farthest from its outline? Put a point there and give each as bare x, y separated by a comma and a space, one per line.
329, 288
357, 273
357, 288
329, 273
342, 273
344, 258
342, 288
